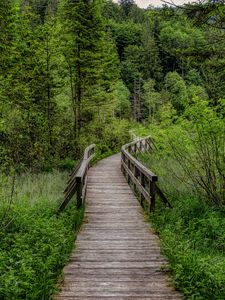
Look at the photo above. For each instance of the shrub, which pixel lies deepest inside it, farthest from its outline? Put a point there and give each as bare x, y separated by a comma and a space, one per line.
189, 161
193, 238
192, 148
36, 244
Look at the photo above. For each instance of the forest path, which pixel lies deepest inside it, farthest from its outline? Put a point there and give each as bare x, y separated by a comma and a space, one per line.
117, 256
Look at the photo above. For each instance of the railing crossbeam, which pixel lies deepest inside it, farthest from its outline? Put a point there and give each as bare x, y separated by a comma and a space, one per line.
138, 176
77, 183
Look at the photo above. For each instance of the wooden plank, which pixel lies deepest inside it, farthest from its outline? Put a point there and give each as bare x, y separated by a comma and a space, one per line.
151, 294
118, 286
117, 256
116, 297
101, 256
115, 272
92, 277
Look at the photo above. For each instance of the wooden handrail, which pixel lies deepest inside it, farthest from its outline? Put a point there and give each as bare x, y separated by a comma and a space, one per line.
77, 183
136, 173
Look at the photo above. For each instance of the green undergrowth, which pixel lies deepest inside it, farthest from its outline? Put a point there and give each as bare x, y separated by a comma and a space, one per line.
193, 238
192, 235
36, 243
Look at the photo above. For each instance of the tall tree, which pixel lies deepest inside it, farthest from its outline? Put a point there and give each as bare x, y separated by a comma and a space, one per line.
84, 28
127, 6
6, 39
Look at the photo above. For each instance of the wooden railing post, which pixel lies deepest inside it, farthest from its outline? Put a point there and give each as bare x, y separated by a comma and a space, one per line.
152, 195
128, 176
136, 176
143, 184
122, 160
79, 192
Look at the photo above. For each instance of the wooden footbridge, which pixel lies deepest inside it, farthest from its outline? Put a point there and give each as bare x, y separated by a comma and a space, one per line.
117, 255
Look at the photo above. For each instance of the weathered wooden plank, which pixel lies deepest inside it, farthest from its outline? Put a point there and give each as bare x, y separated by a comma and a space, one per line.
110, 206
121, 258
115, 264
116, 245
115, 272
117, 286
113, 236
117, 256
159, 294
100, 297
96, 246
115, 210
92, 277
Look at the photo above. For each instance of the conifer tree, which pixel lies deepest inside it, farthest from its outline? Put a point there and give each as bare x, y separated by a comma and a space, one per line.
126, 6
84, 56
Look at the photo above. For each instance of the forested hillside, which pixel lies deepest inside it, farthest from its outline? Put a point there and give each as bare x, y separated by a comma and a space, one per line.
76, 72
71, 69
59, 81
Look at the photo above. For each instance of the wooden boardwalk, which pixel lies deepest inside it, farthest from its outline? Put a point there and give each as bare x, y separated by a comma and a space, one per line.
116, 256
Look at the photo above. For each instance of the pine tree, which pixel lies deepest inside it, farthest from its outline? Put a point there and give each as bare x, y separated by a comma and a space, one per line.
6, 41
84, 30
126, 6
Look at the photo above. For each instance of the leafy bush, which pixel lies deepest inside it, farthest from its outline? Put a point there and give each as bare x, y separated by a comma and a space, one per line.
189, 161
192, 232
67, 164
191, 148
36, 244
193, 238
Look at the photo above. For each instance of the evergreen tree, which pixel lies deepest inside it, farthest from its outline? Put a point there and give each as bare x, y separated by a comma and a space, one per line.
127, 6
6, 40
84, 28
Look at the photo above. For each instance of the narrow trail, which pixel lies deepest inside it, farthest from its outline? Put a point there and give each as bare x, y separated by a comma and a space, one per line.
117, 256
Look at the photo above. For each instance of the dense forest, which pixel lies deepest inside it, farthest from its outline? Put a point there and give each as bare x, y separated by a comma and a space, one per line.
75, 72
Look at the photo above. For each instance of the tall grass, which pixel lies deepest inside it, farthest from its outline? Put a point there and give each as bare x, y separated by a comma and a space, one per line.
192, 232
36, 243
34, 187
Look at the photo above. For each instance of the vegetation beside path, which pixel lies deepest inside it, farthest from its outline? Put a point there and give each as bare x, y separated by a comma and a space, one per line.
189, 161
35, 242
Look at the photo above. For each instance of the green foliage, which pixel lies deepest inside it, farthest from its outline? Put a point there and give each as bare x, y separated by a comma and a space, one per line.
123, 107
189, 161
195, 143
196, 91
176, 91
45, 101
112, 11
131, 67
116, 135
67, 164
126, 6
193, 77
193, 237
125, 34
152, 98
71, 72
36, 243
176, 36
187, 155
49, 185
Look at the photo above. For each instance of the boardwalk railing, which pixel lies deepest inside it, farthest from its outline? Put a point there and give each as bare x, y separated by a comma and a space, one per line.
77, 183
137, 175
